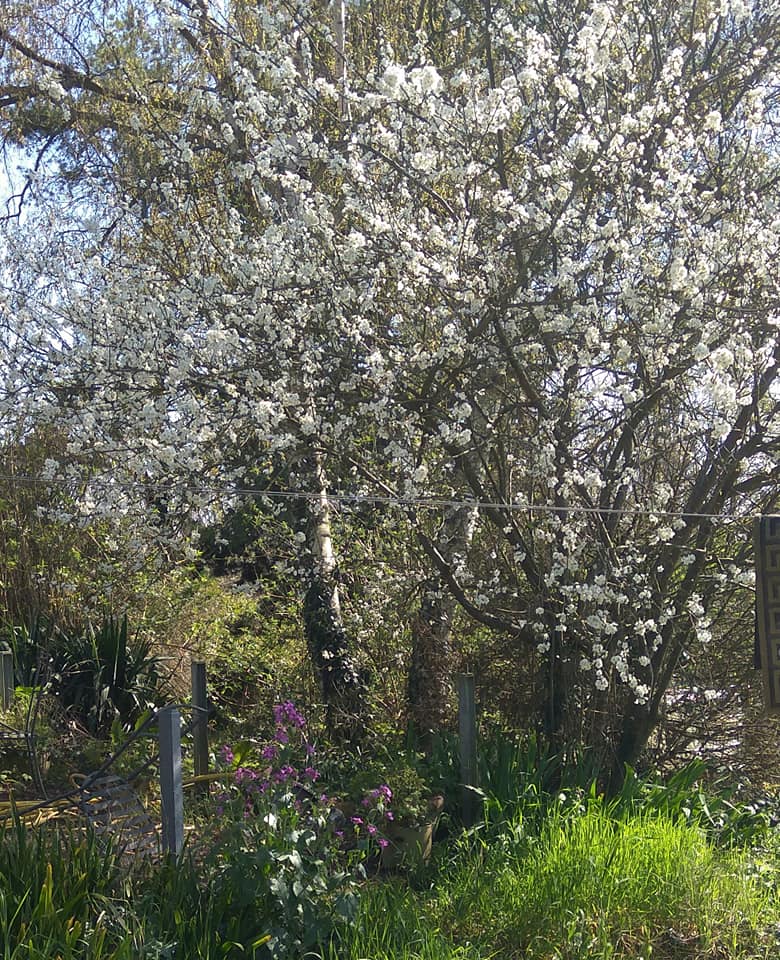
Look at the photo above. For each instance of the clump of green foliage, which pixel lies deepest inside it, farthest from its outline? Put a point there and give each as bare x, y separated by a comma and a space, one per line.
570, 876
582, 884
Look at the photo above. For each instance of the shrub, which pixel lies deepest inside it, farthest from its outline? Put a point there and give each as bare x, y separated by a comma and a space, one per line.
278, 851
101, 675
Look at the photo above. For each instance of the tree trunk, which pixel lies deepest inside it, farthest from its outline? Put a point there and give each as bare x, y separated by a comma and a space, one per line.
429, 690
326, 639
429, 696
635, 729
560, 713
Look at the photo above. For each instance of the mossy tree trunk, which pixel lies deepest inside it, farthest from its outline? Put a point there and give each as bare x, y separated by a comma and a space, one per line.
334, 661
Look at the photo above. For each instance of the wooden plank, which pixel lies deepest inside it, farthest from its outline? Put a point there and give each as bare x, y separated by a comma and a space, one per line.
6, 679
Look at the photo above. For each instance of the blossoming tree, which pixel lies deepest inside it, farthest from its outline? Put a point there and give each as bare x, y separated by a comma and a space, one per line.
532, 267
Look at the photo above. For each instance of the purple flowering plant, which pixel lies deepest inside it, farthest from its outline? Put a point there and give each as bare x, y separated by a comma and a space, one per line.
274, 783
392, 792
282, 768
372, 816
278, 838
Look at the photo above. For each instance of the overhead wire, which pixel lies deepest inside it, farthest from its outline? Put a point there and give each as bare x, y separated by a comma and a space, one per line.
424, 503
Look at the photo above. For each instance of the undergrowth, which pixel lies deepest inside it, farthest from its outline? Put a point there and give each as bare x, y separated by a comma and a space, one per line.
583, 882
588, 885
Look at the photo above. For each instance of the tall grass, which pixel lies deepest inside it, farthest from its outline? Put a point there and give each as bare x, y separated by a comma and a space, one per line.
594, 885
587, 880
61, 895
65, 896
587, 886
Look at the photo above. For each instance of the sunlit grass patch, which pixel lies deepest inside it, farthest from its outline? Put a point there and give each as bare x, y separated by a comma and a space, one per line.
588, 886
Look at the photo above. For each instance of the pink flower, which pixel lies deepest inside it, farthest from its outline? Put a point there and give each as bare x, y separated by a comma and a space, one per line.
383, 843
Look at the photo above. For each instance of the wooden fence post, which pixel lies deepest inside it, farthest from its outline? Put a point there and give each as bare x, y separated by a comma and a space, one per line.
200, 728
467, 728
171, 789
767, 561
6, 679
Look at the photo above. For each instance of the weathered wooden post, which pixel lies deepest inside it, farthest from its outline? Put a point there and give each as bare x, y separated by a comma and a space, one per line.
200, 729
171, 788
6, 679
467, 728
767, 562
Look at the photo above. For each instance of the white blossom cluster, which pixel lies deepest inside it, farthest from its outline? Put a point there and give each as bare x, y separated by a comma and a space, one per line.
551, 279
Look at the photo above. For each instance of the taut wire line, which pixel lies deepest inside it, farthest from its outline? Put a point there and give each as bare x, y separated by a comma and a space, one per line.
425, 503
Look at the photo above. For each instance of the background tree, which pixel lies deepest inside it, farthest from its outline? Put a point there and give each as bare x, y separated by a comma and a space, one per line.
533, 269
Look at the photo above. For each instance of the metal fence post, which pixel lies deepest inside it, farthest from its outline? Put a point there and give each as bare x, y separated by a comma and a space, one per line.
467, 728
200, 729
6, 679
171, 789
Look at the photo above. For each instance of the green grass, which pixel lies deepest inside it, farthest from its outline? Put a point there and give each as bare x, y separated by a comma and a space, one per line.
65, 896
587, 886
60, 896
581, 883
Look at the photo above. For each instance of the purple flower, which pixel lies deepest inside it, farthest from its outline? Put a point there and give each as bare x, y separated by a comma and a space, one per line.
284, 773
309, 748
281, 735
381, 792
244, 773
358, 821
389, 815
293, 716
371, 829
383, 843
286, 713
309, 773
227, 754
269, 752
